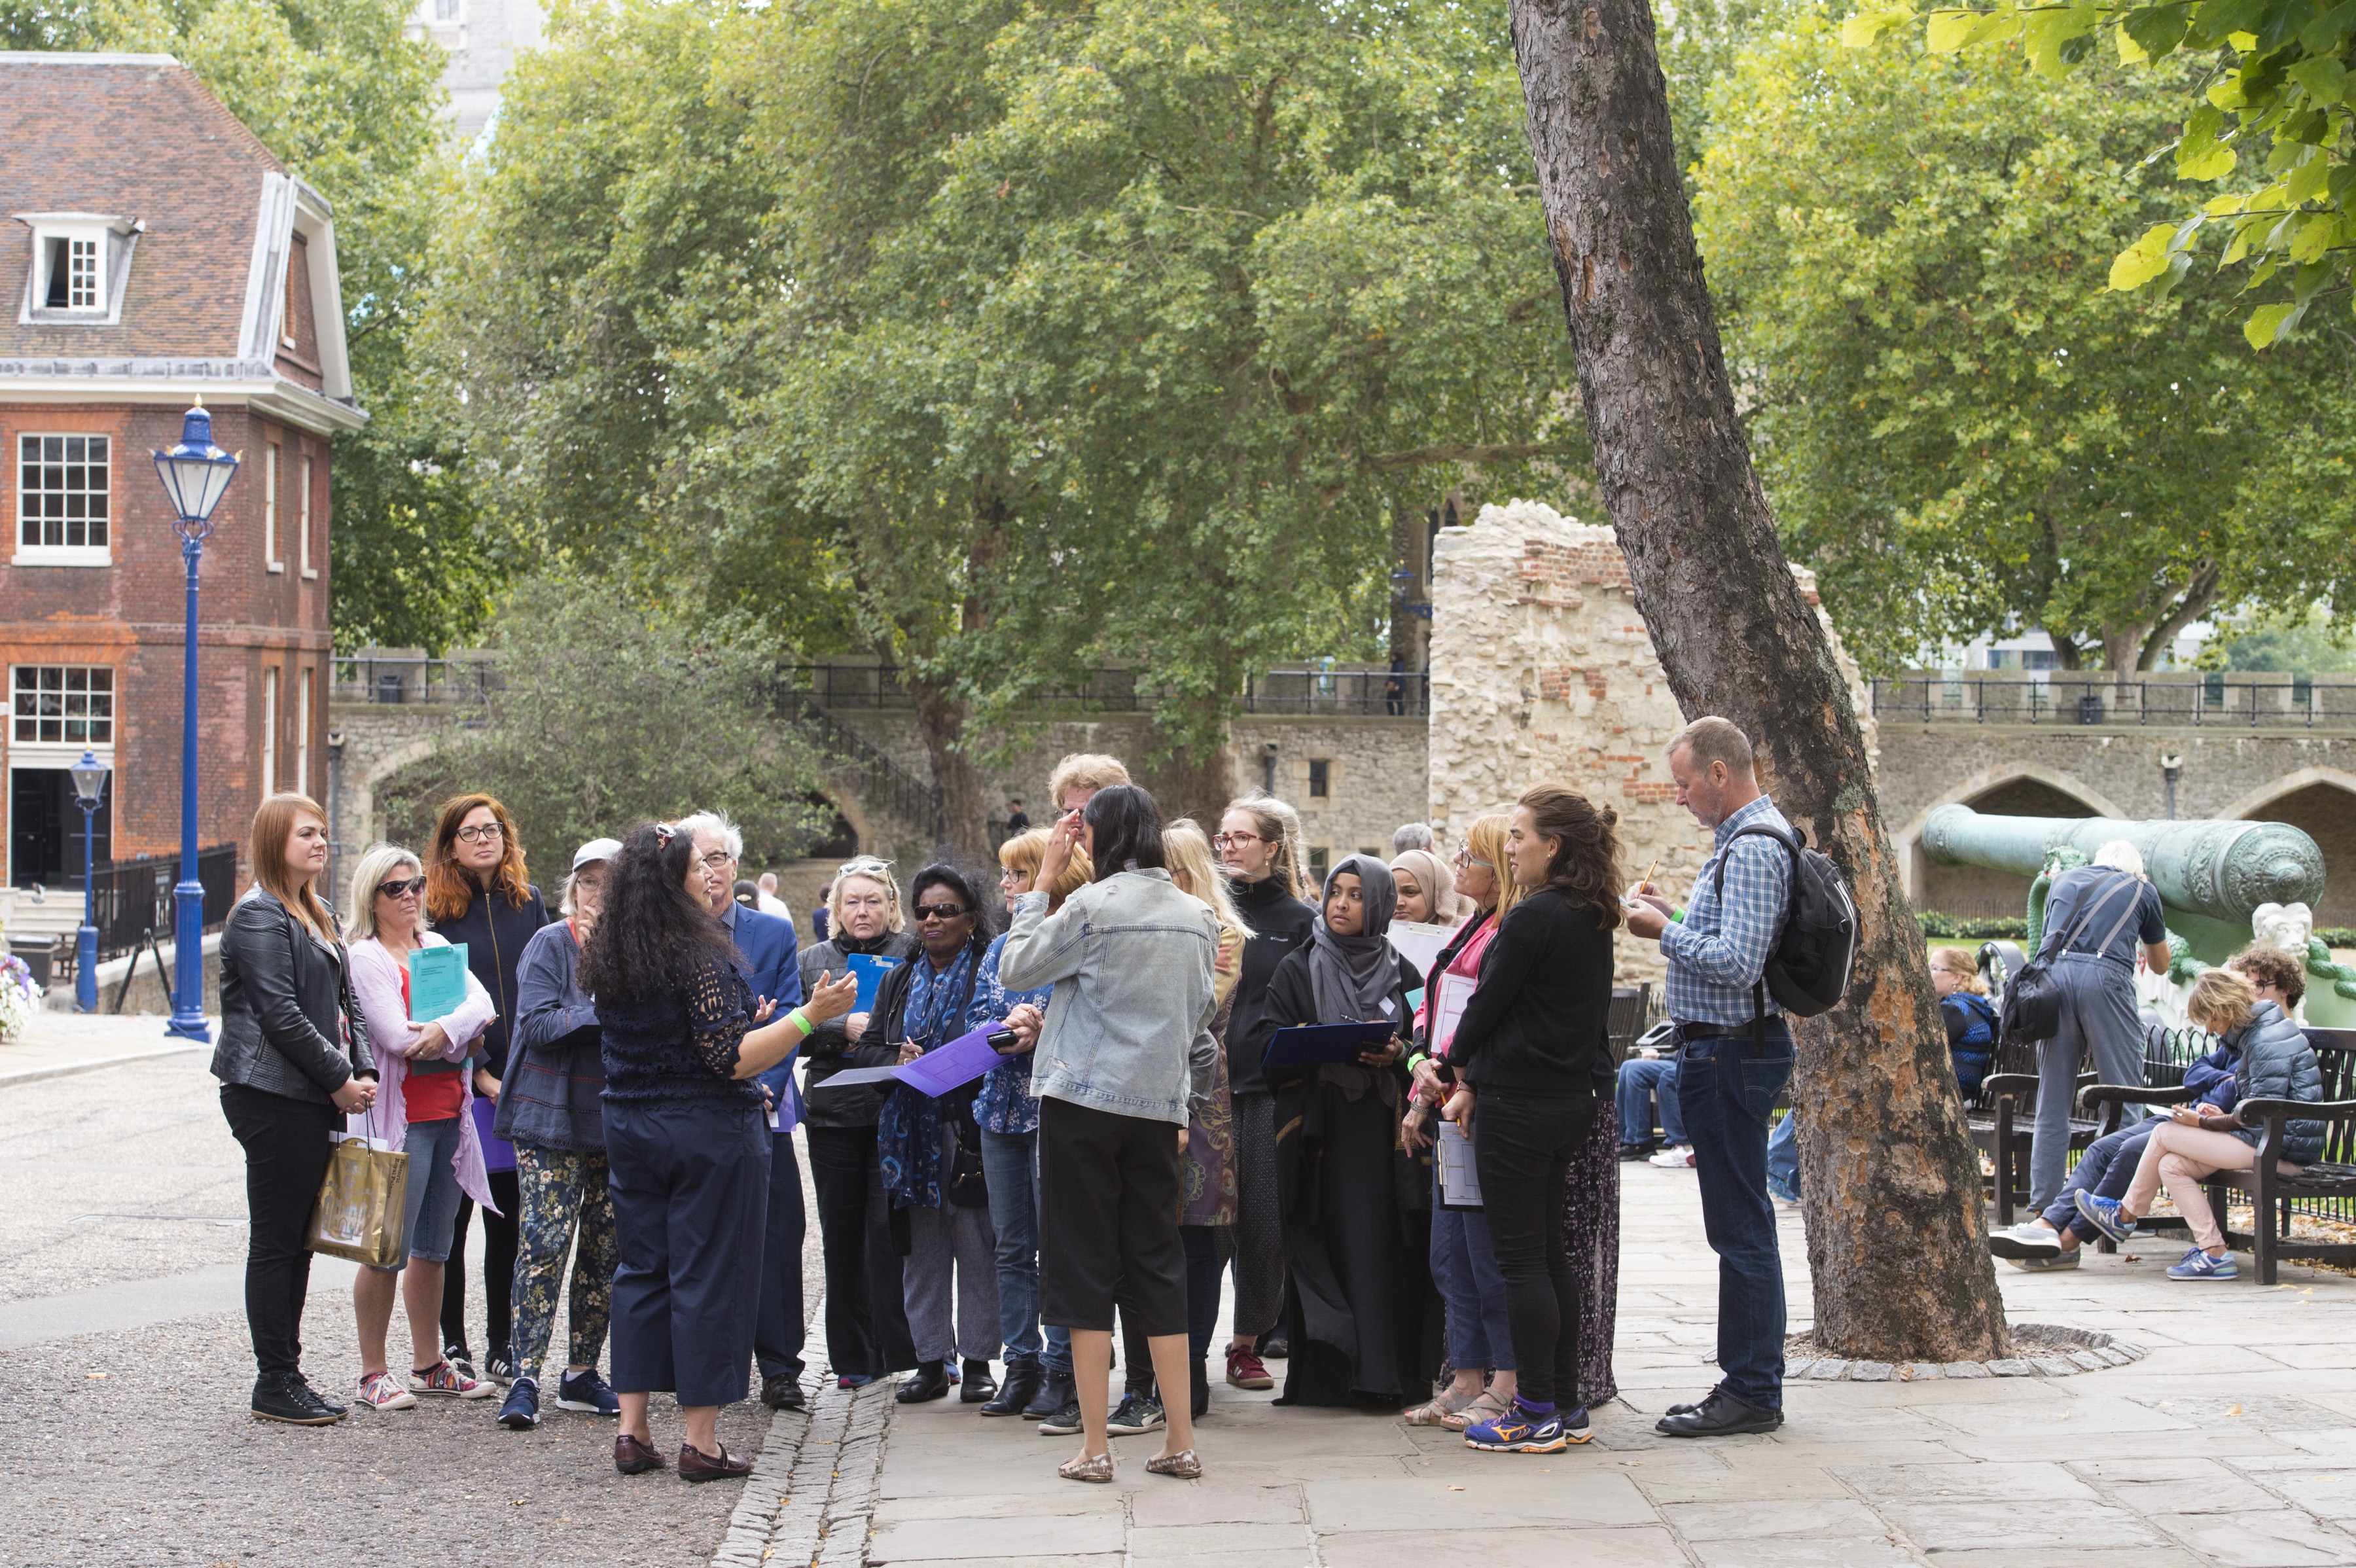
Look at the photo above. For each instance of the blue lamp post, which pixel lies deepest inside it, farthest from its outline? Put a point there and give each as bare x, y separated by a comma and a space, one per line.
196, 475
89, 789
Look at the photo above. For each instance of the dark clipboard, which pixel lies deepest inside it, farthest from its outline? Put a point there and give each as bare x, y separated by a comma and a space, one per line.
1321, 1043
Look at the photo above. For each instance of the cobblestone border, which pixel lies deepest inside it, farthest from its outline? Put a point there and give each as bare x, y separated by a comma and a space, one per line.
2056, 1351
810, 1499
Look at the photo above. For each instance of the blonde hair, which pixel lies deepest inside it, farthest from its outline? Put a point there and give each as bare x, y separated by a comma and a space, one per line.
2222, 1001
879, 872
377, 862
274, 824
1028, 852
1085, 770
1486, 837
1959, 962
1186, 851
1279, 824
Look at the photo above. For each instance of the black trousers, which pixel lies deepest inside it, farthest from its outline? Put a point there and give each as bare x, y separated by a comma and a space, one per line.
1523, 1145
1109, 1193
866, 1317
1207, 1263
691, 1186
499, 1237
777, 1328
285, 1143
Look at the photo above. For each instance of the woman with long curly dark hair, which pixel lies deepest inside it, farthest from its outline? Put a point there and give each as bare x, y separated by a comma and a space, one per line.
687, 1141
1533, 1055
479, 896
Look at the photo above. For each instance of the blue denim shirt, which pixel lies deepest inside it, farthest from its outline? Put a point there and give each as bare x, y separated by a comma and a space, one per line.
1130, 1029
1005, 1104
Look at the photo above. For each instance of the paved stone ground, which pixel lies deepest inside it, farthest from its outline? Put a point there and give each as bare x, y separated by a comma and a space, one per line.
2230, 1444
125, 1369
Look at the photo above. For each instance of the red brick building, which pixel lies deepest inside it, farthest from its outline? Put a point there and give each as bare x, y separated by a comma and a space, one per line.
160, 254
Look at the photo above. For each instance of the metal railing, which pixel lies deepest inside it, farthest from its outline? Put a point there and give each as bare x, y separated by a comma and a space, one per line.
134, 897
1305, 688
389, 676
2194, 702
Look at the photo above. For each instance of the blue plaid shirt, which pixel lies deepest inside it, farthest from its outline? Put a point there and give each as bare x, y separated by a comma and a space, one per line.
1719, 951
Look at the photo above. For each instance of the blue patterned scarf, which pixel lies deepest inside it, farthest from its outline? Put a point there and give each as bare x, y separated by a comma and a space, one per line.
908, 1133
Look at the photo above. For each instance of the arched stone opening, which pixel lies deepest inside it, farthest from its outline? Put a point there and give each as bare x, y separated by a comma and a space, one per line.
2321, 803
1976, 892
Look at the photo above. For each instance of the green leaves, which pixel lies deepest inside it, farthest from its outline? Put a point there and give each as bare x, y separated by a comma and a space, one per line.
2145, 260
2200, 152
2267, 322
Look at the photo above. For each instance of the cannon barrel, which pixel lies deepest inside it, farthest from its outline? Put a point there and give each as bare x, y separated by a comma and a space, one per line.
2221, 869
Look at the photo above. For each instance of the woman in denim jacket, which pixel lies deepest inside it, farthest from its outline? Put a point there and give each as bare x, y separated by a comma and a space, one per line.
1125, 1055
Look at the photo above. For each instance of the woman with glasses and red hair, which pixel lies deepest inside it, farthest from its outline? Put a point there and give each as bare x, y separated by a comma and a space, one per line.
478, 895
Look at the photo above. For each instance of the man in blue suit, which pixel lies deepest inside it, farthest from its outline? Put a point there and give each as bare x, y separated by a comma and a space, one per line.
767, 943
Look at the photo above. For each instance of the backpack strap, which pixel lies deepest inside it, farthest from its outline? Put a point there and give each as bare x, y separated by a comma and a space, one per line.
2070, 937
1790, 841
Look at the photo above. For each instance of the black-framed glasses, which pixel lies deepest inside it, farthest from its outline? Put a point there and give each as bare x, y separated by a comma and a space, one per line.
400, 887
939, 911
480, 831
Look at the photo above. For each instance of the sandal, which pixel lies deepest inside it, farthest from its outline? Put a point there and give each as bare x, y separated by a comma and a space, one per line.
1183, 1464
1486, 1406
1443, 1404
1098, 1467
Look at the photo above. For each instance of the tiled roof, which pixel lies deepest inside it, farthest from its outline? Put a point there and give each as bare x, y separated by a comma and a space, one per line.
137, 137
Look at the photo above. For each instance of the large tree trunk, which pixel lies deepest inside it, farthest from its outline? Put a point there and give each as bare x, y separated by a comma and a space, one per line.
960, 822
1896, 1240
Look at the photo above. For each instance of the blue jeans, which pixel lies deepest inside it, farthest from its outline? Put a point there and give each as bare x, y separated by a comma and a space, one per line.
433, 1194
1783, 1158
2107, 1169
1009, 1165
1727, 1088
1640, 1081
1464, 1267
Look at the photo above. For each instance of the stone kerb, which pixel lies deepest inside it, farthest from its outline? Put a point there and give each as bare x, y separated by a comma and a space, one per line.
1542, 668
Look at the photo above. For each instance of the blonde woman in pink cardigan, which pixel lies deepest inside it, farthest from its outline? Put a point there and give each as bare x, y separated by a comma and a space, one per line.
424, 1108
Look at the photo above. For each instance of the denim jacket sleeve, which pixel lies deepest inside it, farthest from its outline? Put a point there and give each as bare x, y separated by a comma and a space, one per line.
1042, 949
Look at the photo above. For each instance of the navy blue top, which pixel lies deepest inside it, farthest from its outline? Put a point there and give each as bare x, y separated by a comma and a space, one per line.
681, 1047
2083, 887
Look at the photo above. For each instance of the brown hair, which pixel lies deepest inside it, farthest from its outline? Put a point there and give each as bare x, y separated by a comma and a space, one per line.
1959, 964
1028, 852
1085, 771
2263, 963
2221, 1001
1586, 869
450, 889
274, 824
1710, 740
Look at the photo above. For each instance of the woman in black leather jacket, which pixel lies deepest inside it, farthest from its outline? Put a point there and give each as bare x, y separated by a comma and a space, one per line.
294, 1060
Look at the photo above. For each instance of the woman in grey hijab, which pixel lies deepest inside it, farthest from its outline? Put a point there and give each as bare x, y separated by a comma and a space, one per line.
1353, 1304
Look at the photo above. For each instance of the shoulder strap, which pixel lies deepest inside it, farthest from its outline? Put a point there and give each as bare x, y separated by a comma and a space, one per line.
2086, 916
1790, 841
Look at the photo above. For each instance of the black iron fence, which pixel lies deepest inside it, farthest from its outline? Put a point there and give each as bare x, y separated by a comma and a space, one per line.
2196, 702
392, 676
1307, 688
134, 897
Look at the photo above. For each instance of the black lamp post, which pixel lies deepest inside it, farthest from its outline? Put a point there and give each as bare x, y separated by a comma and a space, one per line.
89, 777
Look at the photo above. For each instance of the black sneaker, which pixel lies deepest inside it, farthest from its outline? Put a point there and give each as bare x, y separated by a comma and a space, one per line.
332, 1406
499, 1365
461, 1359
1136, 1414
1630, 1153
1065, 1423
284, 1396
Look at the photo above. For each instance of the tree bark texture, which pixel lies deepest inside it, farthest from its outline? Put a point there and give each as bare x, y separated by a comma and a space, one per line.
960, 824
1897, 1240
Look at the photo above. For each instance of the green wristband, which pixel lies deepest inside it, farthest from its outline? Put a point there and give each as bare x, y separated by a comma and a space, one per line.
801, 1020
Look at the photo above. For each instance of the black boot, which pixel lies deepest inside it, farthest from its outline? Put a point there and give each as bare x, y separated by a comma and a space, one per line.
929, 1381
284, 1396
1055, 1391
1202, 1397
979, 1384
1021, 1386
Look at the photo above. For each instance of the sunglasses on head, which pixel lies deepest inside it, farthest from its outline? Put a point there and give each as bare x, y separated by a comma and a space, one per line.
400, 885
939, 911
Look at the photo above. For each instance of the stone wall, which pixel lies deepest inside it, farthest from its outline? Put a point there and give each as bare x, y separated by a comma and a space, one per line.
1542, 669
367, 742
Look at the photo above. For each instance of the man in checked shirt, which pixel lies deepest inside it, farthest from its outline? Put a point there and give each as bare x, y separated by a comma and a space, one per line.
1737, 1058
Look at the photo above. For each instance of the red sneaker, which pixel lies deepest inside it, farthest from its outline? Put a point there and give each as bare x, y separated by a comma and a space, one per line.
1245, 1370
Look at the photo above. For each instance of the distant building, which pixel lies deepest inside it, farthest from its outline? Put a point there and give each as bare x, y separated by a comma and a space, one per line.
160, 254
482, 38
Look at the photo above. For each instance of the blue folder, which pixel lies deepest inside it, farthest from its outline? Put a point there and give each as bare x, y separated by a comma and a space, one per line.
1321, 1043
870, 969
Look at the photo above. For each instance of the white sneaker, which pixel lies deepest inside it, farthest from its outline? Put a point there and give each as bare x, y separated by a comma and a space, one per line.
1677, 1159
2026, 1239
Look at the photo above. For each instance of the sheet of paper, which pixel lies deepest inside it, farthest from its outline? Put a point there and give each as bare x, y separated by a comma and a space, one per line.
1459, 1182
438, 981
1451, 994
871, 969
1419, 943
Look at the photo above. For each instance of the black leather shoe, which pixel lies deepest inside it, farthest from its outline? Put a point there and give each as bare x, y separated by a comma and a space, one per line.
783, 1391
979, 1385
1021, 1386
929, 1381
1275, 1347
284, 1396
1055, 1393
1719, 1415
331, 1406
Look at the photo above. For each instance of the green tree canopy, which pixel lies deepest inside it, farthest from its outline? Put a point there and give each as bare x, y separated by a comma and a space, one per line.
1959, 426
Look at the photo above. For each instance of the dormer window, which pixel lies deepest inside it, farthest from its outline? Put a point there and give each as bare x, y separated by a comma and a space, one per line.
75, 268
79, 262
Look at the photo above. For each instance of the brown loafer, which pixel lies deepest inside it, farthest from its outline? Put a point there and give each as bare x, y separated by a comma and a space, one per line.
695, 1465
632, 1457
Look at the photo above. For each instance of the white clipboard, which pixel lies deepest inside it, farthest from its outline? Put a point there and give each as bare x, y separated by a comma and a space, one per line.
1459, 1179
1444, 1006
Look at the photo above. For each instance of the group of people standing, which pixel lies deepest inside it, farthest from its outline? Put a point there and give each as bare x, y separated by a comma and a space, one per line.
615, 1089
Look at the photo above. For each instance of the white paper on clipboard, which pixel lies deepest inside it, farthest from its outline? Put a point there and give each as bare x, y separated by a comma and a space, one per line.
1450, 995
1459, 1182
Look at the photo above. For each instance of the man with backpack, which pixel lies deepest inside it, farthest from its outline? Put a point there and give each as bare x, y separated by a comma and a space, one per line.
1736, 1060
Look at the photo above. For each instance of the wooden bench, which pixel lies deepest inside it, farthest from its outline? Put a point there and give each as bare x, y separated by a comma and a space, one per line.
1625, 1020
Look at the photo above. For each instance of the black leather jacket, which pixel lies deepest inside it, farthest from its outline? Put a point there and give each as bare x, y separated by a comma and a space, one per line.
288, 1022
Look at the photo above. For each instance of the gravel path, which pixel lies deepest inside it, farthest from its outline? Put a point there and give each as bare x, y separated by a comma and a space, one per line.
134, 1446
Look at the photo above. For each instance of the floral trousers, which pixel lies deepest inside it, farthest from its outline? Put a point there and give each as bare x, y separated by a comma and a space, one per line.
560, 1188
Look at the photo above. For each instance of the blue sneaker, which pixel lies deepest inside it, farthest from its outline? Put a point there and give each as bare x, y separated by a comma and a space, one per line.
2197, 1264
587, 1391
521, 1410
2103, 1214
1519, 1432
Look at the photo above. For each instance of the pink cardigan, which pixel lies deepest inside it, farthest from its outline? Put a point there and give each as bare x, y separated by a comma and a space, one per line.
376, 984
1466, 962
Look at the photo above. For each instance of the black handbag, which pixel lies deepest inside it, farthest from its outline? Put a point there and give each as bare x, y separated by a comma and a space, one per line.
2032, 999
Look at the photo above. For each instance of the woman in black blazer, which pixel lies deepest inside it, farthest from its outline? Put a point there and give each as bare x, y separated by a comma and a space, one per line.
294, 1060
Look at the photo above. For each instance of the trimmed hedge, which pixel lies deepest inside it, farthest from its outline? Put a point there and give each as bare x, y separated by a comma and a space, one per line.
1948, 928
